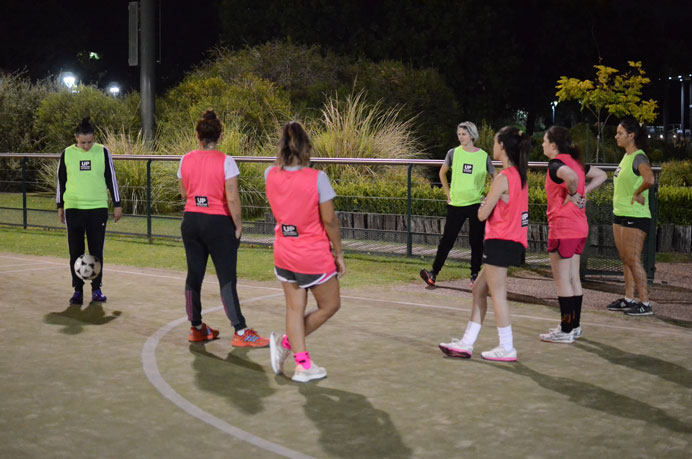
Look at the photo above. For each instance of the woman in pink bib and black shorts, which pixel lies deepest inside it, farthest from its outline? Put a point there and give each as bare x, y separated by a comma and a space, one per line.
307, 229
566, 190
506, 209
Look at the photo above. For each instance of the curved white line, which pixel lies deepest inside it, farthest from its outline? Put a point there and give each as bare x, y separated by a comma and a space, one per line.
151, 370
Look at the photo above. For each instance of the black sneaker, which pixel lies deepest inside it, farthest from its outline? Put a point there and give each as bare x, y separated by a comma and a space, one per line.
427, 276
620, 305
639, 309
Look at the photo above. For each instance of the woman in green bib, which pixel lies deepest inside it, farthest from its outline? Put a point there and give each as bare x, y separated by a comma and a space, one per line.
85, 176
632, 216
470, 166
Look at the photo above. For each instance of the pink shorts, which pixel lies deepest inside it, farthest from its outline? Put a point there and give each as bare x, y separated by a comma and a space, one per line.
567, 248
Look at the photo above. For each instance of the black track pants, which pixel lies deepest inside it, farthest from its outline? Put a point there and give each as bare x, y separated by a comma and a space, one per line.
93, 223
214, 235
456, 216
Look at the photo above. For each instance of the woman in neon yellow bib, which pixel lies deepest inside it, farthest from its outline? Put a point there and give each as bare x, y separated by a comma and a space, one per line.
470, 166
632, 216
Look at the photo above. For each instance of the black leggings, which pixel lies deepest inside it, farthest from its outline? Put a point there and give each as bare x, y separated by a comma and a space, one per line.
93, 223
214, 235
456, 216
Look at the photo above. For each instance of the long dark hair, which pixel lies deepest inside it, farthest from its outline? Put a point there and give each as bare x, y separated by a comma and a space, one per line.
209, 127
84, 127
294, 144
517, 145
561, 137
640, 131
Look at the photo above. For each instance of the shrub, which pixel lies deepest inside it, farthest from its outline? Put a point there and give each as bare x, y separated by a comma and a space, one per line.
249, 101
60, 112
676, 173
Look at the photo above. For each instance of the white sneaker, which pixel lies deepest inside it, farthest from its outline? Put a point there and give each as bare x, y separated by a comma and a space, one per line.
277, 353
457, 349
555, 335
576, 332
500, 355
314, 372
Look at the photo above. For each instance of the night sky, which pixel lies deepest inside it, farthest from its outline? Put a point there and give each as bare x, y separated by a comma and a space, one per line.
45, 37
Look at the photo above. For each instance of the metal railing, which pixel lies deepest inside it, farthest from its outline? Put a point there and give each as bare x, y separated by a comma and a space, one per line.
600, 255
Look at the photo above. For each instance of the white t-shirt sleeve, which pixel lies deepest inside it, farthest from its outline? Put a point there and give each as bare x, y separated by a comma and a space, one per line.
180, 168
324, 188
230, 168
266, 172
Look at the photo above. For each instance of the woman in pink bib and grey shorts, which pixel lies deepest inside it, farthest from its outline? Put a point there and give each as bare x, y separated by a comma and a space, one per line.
307, 229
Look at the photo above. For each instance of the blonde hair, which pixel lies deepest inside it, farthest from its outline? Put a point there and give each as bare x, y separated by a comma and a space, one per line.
470, 128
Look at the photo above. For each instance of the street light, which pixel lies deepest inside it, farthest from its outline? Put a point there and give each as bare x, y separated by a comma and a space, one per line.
114, 89
69, 80
553, 104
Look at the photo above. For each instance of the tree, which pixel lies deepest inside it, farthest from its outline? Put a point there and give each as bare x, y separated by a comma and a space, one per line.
611, 94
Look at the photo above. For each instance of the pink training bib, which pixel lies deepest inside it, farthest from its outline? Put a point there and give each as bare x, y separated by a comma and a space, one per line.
203, 176
510, 220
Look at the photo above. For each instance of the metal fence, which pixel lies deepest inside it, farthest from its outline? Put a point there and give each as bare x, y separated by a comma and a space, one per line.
26, 200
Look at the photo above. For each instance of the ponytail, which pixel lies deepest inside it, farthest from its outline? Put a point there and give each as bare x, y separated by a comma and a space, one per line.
294, 145
640, 131
517, 144
561, 137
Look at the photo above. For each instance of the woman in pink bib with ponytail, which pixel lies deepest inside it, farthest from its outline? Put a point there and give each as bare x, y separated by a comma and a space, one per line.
506, 215
307, 229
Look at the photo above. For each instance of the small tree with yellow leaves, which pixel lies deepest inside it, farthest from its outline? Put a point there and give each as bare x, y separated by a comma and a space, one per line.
610, 94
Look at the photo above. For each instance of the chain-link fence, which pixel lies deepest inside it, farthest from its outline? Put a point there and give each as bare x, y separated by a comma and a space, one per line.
384, 206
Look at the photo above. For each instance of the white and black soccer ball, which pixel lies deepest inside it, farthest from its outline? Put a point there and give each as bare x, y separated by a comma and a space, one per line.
87, 267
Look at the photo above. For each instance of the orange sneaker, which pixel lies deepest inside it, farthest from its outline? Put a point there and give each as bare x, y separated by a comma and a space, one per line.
249, 339
205, 334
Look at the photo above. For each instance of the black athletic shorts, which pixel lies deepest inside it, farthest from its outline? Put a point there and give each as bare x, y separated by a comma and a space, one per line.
633, 222
503, 253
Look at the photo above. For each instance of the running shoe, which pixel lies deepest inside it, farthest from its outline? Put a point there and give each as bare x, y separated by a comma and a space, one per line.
98, 296
576, 332
314, 372
557, 336
639, 309
277, 353
427, 276
472, 280
457, 349
620, 305
500, 355
206, 333
249, 339
77, 297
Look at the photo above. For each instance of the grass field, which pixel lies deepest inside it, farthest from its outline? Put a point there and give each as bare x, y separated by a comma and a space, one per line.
253, 262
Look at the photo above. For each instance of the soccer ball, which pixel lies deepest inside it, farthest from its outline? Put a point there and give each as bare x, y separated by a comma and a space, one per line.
87, 267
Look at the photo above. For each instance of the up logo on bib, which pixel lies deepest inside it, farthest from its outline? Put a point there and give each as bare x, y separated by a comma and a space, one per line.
524, 219
201, 201
468, 169
617, 171
85, 165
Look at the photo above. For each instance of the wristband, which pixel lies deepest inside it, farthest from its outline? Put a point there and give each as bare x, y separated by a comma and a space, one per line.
571, 194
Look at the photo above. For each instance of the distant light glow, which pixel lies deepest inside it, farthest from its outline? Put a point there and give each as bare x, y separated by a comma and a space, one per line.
94, 56
69, 80
114, 89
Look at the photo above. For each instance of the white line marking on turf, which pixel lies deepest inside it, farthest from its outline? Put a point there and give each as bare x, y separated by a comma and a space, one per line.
151, 370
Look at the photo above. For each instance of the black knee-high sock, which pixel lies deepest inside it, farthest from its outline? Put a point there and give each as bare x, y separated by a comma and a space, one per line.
566, 312
576, 308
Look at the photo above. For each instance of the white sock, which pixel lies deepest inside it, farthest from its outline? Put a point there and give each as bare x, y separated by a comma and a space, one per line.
506, 338
198, 327
471, 333
241, 332
629, 300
